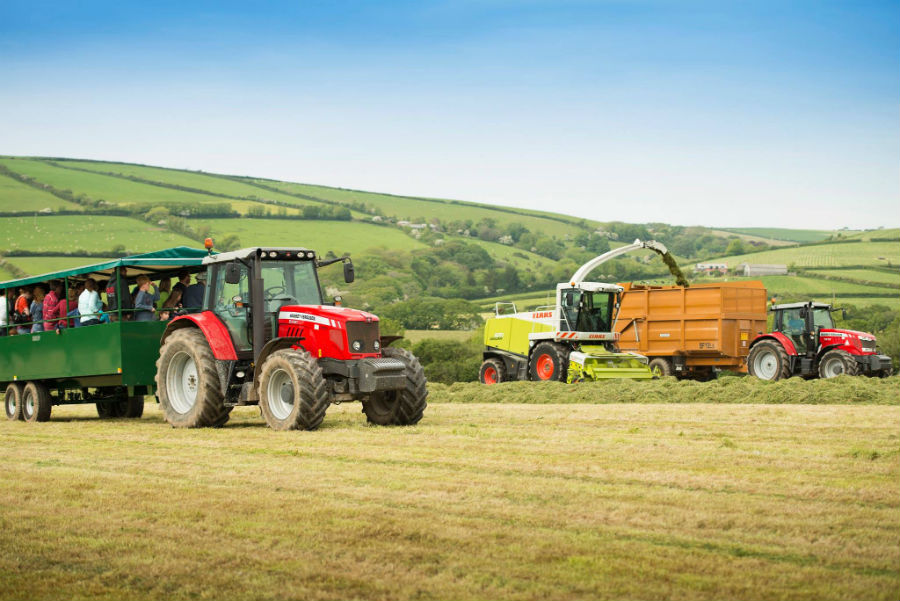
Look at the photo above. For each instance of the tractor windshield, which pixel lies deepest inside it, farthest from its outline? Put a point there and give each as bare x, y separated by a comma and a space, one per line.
584, 311
290, 282
822, 318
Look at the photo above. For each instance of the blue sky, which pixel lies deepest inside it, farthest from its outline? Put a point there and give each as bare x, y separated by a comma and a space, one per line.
713, 113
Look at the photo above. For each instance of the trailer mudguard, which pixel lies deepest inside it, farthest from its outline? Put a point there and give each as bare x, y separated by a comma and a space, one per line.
213, 329
783, 340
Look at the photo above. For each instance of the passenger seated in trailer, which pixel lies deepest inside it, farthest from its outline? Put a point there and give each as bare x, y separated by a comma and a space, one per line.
184, 279
37, 309
192, 300
5, 302
53, 305
116, 288
22, 315
72, 307
145, 301
89, 305
171, 305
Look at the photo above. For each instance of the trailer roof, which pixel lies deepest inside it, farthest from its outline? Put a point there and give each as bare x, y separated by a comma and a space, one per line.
152, 263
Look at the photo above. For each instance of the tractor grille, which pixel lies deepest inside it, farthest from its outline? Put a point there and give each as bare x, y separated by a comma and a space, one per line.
364, 331
292, 331
868, 346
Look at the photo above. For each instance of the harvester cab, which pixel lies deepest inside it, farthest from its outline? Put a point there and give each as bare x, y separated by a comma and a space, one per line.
266, 337
571, 341
805, 342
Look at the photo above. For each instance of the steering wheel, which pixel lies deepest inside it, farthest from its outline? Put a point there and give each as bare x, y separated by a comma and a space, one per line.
270, 292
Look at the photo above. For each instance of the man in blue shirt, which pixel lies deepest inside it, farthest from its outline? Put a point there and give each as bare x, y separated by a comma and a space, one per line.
192, 300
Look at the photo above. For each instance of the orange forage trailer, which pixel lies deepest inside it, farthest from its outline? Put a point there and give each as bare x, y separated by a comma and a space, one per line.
687, 332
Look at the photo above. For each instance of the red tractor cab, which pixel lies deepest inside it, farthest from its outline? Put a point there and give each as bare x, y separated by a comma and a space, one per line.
264, 336
806, 343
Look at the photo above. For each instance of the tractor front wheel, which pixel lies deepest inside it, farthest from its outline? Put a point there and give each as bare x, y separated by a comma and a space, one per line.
492, 371
837, 363
187, 382
293, 394
769, 361
403, 407
549, 361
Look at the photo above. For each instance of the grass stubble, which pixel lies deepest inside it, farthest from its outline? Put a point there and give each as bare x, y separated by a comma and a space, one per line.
513, 501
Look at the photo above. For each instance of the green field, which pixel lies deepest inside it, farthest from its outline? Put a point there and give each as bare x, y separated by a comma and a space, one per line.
864, 275
751, 238
16, 196
41, 265
113, 189
479, 501
407, 208
323, 236
93, 233
827, 255
190, 179
789, 235
419, 335
816, 286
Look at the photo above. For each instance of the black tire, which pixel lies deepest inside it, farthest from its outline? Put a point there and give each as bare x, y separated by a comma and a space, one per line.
493, 371
13, 401
838, 363
187, 365
36, 403
293, 393
132, 407
108, 410
549, 361
404, 407
769, 361
660, 367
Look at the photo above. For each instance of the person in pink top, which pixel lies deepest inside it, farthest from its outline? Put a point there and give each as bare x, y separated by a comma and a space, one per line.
52, 305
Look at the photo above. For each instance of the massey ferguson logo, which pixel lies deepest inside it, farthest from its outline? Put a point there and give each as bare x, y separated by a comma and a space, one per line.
303, 316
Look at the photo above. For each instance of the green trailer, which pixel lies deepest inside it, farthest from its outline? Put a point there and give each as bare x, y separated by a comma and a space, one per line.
111, 364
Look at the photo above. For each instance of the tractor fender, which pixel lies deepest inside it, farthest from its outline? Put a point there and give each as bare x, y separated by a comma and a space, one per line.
781, 339
213, 329
276, 344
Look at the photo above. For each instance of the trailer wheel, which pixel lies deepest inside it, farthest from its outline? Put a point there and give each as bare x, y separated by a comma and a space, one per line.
13, 401
108, 410
403, 407
293, 394
769, 361
132, 407
492, 372
837, 363
36, 403
187, 381
660, 367
549, 362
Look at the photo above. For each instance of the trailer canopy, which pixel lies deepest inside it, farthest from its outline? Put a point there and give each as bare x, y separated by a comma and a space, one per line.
156, 263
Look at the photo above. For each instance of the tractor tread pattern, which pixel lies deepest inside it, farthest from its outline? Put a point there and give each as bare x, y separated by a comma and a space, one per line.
851, 367
210, 410
560, 355
784, 361
409, 403
499, 369
314, 395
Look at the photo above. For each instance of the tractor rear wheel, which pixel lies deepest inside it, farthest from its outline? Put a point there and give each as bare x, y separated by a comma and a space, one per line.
492, 372
660, 367
549, 361
293, 394
403, 407
36, 403
187, 382
838, 363
13, 401
769, 361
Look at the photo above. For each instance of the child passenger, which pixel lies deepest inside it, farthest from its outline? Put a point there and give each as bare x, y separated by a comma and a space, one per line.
145, 301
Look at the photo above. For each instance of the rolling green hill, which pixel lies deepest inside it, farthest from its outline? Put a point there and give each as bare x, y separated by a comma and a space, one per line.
788, 235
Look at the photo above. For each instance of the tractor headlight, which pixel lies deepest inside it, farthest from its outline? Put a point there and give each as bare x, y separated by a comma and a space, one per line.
357, 345
376, 345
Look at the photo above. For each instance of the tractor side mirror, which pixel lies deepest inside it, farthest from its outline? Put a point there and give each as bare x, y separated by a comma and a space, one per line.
349, 274
233, 273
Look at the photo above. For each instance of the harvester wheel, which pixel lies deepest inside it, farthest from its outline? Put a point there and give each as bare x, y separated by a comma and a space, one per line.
549, 361
837, 363
660, 367
293, 394
493, 371
13, 401
36, 403
187, 381
769, 361
403, 407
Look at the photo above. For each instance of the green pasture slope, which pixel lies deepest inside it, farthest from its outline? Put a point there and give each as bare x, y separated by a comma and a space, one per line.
788, 235
874, 254
17, 197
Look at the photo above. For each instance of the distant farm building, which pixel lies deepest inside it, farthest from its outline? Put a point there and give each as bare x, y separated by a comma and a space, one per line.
757, 269
711, 267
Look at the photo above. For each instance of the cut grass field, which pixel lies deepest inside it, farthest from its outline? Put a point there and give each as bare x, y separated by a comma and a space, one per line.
479, 501
93, 233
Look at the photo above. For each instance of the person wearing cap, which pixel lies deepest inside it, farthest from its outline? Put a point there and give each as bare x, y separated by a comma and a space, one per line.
192, 300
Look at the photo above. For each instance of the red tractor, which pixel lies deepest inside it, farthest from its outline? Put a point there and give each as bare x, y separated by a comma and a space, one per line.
265, 337
806, 343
